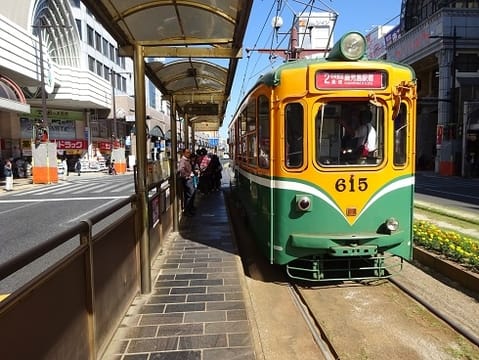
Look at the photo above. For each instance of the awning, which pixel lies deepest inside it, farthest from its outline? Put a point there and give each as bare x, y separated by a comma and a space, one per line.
12, 97
157, 132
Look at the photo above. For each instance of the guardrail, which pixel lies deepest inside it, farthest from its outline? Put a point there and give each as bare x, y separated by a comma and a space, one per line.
71, 309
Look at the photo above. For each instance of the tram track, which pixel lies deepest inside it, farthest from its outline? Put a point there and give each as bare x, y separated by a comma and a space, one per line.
317, 332
365, 320
457, 326
360, 312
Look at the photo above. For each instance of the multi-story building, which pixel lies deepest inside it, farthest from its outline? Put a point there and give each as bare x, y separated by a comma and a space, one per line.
440, 40
87, 101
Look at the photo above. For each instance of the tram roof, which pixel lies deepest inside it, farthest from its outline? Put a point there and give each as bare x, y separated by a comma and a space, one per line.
191, 31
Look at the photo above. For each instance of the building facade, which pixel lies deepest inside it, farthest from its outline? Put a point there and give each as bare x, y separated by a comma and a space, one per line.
86, 101
440, 40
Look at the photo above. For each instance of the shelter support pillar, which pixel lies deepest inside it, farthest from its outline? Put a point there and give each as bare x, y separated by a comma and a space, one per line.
174, 164
143, 231
193, 141
186, 132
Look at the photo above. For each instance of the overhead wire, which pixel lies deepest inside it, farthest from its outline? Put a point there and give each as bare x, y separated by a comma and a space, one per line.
278, 8
243, 81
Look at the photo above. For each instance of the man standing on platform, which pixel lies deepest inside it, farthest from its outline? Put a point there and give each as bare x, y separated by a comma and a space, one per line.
186, 175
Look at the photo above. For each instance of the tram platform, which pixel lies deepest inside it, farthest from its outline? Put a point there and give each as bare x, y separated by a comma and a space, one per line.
197, 309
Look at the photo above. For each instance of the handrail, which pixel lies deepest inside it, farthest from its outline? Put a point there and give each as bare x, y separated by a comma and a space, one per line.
83, 294
18, 262
96, 218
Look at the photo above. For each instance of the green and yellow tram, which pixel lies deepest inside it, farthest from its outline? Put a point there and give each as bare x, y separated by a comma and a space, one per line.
324, 161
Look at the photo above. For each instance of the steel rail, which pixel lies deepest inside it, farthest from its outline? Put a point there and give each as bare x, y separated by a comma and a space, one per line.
317, 332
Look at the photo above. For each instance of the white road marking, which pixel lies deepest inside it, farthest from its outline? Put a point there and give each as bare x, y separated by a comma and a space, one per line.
63, 199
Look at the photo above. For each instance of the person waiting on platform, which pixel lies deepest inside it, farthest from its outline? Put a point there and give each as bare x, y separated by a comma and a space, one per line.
186, 174
204, 160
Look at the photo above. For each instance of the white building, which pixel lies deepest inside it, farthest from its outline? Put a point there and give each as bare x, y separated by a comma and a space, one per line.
315, 32
82, 73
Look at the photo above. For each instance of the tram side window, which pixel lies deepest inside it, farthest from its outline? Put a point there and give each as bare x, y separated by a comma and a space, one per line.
263, 131
251, 145
294, 128
400, 136
243, 118
242, 135
242, 148
252, 155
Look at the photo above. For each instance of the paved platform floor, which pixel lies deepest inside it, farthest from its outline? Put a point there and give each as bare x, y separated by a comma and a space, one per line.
197, 308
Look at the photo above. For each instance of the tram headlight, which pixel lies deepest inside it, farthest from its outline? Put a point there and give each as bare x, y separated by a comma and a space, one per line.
303, 202
351, 46
392, 224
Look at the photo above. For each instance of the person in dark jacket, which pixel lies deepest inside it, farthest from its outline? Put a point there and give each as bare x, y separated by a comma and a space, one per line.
8, 173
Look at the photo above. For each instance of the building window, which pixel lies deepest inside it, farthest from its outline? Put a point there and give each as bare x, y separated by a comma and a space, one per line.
99, 68
467, 62
151, 95
91, 63
78, 24
123, 84
98, 41
112, 52
105, 47
106, 72
90, 36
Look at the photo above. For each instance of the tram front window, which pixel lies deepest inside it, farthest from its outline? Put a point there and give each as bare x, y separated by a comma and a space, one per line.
349, 133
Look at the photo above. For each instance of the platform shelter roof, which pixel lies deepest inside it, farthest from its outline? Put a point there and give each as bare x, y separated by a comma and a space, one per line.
194, 33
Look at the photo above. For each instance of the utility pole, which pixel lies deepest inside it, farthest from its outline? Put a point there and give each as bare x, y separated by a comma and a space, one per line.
449, 123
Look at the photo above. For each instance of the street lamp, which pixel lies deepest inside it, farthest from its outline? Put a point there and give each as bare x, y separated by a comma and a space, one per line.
44, 128
42, 68
42, 78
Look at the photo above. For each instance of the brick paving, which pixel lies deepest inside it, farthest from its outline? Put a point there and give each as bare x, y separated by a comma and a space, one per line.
197, 308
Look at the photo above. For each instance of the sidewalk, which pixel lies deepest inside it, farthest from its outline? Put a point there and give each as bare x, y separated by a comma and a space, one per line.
198, 309
18, 184
27, 183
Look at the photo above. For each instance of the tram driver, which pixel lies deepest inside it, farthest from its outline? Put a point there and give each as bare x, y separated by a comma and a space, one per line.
360, 139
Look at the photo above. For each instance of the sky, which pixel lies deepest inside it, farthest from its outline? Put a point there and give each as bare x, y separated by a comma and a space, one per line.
353, 15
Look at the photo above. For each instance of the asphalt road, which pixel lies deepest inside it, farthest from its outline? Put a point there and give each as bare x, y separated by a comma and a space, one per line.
33, 214
449, 192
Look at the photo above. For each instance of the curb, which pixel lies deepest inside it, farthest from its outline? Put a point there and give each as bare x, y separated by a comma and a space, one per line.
465, 278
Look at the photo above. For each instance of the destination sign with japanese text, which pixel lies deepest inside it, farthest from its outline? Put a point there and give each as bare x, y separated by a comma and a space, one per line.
350, 80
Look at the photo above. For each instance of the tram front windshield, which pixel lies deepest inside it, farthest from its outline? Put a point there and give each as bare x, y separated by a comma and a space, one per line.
349, 134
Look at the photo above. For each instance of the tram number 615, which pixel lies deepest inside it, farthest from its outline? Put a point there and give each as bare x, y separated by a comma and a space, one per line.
351, 185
